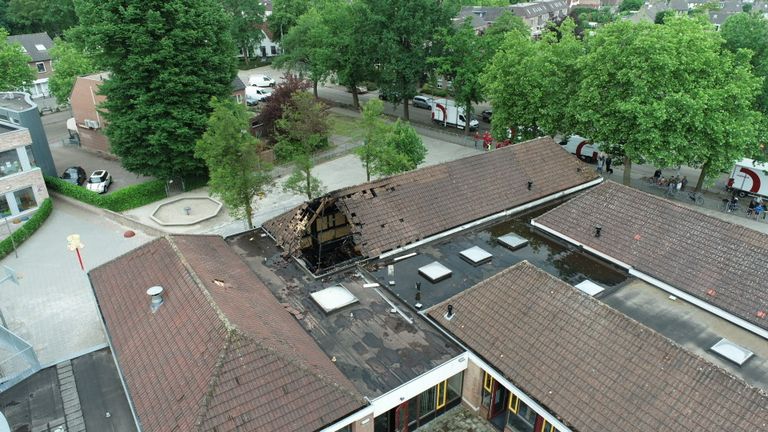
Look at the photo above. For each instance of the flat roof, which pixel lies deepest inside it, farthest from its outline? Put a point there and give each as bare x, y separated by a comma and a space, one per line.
375, 348
16, 101
548, 253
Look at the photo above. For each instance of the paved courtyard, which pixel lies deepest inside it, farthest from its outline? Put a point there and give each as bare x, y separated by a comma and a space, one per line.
53, 307
458, 419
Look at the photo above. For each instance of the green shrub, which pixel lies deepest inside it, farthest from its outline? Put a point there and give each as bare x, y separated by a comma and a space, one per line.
26, 230
120, 200
434, 91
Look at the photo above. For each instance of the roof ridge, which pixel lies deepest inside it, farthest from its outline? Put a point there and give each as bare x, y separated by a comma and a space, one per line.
214, 380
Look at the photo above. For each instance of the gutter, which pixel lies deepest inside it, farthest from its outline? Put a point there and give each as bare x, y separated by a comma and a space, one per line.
493, 217
733, 319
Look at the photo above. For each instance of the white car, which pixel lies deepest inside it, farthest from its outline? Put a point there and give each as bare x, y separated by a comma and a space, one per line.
99, 181
261, 81
254, 95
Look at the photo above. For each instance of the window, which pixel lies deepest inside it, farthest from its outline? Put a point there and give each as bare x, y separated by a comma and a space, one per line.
347, 428
25, 199
514, 403
526, 413
454, 387
40, 47
487, 390
273, 50
30, 156
5, 209
441, 394
546, 427
9, 163
427, 401
40, 67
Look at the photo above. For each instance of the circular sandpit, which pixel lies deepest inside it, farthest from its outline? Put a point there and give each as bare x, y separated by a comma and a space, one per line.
186, 211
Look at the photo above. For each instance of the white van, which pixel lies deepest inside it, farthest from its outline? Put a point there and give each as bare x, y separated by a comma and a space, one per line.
749, 177
582, 147
254, 95
261, 81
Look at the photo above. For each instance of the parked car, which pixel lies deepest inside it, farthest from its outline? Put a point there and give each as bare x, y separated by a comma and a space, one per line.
99, 181
389, 97
422, 102
261, 81
360, 90
486, 115
74, 175
254, 95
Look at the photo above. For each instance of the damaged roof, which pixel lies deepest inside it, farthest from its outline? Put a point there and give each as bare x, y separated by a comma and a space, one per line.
393, 212
220, 353
723, 264
588, 355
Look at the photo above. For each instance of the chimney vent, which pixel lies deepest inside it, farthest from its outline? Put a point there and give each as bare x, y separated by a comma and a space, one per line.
598, 229
156, 293
449, 315
530, 184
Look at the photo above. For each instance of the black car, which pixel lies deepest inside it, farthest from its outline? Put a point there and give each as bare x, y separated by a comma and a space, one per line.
75, 175
486, 115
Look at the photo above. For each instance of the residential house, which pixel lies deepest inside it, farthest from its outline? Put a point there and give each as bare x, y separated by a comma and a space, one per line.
21, 180
535, 14
87, 123
37, 46
19, 109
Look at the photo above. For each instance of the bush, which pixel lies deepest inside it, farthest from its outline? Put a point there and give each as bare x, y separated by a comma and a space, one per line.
434, 91
26, 230
370, 85
120, 200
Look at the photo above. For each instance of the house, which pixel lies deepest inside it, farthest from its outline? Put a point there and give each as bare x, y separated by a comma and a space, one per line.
19, 109
267, 46
535, 14
37, 46
87, 122
21, 180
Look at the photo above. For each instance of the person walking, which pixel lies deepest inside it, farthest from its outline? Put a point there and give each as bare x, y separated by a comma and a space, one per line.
608, 162
600, 163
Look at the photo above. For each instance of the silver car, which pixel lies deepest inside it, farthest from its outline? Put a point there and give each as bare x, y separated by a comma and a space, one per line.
422, 102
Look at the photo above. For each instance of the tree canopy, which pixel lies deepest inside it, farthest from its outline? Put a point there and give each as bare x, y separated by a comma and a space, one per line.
69, 62
167, 59
285, 14
237, 174
307, 48
630, 5
13, 62
36, 16
246, 17
750, 31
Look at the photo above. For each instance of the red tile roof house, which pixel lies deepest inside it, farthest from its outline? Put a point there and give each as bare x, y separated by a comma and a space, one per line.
539, 342
715, 265
387, 216
219, 353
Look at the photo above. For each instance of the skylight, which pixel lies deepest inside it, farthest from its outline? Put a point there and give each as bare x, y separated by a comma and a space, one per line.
732, 352
435, 272
333, 298
476, 255
40, 47
513, 241
589, 287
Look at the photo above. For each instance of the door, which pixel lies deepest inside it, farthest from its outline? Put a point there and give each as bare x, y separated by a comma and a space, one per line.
401, 418
498, 400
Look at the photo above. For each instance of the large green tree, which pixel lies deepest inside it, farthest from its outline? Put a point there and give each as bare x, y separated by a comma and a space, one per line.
668, 94
376, 131
13, 62
403, 151
302, 130
69, 62
237, 173
307, 48
246, 17
528, 82
35, 16
750, 31
285, 14
404, 39
167, 59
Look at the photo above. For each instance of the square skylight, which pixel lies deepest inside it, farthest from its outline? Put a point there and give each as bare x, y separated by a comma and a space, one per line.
589, 287
332, 298
476, 255
435, 272
512, 241
732, 352
40, 47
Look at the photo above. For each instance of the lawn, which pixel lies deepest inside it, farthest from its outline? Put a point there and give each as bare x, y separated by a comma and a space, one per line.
346, 126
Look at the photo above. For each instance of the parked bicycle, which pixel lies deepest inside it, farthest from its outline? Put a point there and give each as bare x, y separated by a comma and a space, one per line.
696, 197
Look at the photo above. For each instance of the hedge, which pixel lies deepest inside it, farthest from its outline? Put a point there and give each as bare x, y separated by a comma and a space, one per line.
434, 91
120, 200
26, 230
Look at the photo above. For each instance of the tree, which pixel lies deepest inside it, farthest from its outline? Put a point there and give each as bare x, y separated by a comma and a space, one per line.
662, 15
272, 111
69, 62
403, 151
35, 16
307, 48
302, 130
237, 174
284, 15
666, 94
404, 39
246, 17
630, 5
750, 31
506, 22
167, 59
13, 62
376, 131
528, 82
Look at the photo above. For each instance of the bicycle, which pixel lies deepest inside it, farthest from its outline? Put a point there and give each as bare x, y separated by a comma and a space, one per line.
696, 197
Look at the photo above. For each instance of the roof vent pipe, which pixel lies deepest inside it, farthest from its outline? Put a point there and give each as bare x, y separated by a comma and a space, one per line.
598, 230
156, 294
449, 315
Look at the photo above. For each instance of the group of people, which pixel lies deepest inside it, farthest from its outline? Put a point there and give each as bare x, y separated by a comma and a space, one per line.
672, 184
756, 207
604, 161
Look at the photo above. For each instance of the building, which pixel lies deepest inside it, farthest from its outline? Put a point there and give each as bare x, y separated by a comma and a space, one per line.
21, 180
37, 46
19, 109
535, 14
88, 123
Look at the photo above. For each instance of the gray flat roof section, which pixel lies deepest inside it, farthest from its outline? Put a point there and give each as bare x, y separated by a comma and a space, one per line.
6, 128
546, 252
374, 348
15, 101
693, 328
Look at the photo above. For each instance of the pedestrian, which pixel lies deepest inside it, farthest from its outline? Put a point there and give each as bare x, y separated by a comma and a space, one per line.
657, 176
608, 162
683, 182
600, 163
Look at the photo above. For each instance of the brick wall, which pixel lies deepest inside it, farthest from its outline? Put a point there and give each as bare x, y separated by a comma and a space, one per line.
40, 75
25, 179
84, 100
11, 140
473, 385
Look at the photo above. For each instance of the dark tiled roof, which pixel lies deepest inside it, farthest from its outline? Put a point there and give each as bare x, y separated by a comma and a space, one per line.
215, 356
592, 366
237, 84
30, 42
393, 212
677, 245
